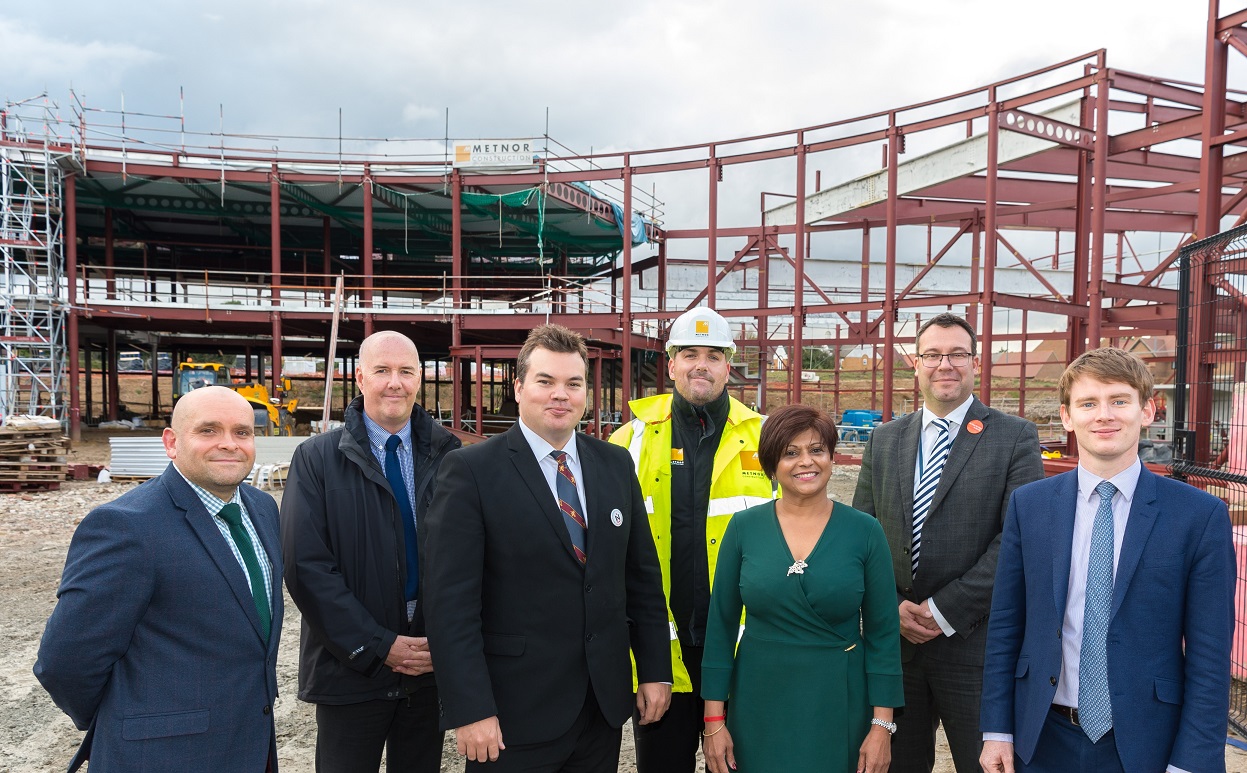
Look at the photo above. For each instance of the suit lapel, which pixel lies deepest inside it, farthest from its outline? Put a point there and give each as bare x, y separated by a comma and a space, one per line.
269, 540
907, 448
530, 471
963, 446
1062, 534
205, 528
1139, 525
591, 469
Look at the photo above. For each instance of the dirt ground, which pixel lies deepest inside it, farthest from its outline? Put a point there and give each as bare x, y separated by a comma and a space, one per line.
35, 529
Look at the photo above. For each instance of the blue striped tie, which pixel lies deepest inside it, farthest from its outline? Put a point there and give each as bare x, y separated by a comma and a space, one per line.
1095, 707
927, 485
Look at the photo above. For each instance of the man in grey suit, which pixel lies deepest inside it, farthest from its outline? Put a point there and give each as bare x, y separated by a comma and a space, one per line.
939, 481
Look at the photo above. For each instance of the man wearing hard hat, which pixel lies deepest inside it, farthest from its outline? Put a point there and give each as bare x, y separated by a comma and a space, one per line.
696, 455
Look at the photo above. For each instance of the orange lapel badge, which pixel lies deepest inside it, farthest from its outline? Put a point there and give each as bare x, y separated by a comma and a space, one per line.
974, 427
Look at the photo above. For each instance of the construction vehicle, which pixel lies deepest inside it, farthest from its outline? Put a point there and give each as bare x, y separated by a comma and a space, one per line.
273, 415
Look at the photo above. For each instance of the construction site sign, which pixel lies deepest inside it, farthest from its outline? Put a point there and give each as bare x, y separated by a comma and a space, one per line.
494, 153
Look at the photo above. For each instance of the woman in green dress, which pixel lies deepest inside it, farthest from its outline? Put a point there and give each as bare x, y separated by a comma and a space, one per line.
817, 672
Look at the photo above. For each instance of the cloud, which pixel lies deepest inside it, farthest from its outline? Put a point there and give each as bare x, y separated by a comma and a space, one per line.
420, 114
27, 55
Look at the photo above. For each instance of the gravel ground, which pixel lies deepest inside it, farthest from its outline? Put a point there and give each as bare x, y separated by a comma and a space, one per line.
35, 530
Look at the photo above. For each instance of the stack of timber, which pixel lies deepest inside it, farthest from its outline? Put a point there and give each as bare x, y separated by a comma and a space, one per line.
32, 454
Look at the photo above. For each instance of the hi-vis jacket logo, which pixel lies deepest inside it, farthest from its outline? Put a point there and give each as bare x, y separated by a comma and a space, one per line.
677, 457
749, 461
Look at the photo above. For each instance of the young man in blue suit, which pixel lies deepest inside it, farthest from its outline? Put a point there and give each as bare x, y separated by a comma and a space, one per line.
163, 644
1111, 623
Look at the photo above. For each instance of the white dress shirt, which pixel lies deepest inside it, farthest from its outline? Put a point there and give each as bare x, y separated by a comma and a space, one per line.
550, 468
930, 434
1076, 597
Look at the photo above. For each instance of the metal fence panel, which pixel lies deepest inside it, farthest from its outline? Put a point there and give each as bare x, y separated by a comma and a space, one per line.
1210, 403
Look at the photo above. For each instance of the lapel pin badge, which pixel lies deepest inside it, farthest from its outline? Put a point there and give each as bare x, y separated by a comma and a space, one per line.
616, 517
974, 427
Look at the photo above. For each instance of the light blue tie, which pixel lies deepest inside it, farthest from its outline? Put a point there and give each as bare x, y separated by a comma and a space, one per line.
932, 469
1095, 707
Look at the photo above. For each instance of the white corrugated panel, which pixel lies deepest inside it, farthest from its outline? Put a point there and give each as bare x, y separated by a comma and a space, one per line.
136, 457
144, 457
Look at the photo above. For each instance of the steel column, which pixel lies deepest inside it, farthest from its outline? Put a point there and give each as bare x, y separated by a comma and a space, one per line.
626, 311
990, 243
1211, 171
109, 275
71, 332
480, 392
275, 314
798, 297
889, 282
1099, 193
110, 368
712, 241
366, 258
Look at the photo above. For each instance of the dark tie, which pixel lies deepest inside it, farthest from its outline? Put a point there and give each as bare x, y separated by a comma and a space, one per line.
927, 485
569, 504
1095, 708
232, 515
394, 474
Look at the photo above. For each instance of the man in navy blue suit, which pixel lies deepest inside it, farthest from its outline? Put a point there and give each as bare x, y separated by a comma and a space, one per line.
1112, 617
163, 644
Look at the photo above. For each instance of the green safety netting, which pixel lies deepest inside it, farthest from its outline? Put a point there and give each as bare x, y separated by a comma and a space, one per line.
518, 215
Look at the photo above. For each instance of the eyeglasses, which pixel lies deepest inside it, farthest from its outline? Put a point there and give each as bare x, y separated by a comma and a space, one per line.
956, 359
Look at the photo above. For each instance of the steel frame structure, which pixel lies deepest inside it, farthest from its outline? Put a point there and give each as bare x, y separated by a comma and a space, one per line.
1097, 158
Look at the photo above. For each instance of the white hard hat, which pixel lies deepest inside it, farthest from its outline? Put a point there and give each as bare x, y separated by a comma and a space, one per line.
700, 327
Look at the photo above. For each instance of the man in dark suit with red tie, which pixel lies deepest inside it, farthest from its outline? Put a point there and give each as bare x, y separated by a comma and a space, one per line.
540, 575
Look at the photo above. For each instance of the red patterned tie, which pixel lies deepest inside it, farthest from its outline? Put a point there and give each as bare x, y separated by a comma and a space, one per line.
569, 504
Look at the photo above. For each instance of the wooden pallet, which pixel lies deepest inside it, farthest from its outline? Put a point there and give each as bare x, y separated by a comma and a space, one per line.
18, 487
32, 459
131, 478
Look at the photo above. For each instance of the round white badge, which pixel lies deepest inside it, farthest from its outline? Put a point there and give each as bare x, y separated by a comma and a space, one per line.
616, 517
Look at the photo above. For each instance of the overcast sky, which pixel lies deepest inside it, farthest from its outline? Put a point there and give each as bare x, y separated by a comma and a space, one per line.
628, 75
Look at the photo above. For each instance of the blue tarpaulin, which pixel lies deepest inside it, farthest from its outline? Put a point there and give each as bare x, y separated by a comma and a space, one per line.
638, 222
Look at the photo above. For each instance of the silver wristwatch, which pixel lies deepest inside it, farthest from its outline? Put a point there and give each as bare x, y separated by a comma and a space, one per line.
889, 726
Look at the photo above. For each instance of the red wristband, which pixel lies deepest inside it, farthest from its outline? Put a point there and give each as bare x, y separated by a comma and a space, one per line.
715, 719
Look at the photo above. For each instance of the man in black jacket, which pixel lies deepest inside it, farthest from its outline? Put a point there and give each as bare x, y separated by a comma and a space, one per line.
352, 544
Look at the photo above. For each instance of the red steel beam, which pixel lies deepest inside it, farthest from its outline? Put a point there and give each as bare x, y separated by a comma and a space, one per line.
71, 332
799, 278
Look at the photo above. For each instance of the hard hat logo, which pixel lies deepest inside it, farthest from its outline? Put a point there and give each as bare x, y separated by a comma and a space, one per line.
700, 327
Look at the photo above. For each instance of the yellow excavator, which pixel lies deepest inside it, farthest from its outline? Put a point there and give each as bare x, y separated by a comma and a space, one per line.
274, 415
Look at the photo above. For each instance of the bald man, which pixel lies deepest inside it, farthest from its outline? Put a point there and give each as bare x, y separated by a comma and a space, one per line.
352, 518
163, 642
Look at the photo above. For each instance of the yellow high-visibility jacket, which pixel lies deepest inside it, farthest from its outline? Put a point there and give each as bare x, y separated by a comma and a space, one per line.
736, 483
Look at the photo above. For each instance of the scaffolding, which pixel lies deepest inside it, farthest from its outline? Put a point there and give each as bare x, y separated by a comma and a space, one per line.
32, 310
